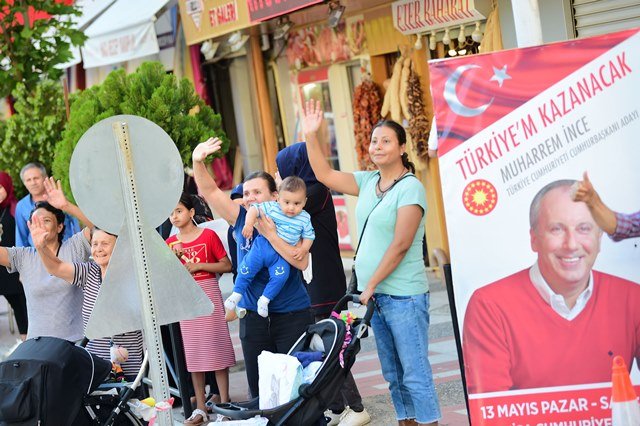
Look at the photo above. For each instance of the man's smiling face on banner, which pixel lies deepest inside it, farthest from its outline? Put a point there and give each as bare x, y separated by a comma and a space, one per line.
566, 239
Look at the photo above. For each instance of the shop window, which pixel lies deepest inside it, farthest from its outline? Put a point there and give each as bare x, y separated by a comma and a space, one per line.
319, 91
354, 72
274, 101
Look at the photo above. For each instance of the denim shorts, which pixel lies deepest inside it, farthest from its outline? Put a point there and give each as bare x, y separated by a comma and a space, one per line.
401, 328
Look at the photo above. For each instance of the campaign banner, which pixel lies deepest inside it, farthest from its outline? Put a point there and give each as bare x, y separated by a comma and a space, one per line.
588, 405
545, 299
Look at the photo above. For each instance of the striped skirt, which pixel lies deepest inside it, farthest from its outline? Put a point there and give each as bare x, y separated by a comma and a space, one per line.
206, 339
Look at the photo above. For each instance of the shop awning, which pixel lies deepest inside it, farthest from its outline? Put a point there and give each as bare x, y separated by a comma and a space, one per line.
125, 31
91, 9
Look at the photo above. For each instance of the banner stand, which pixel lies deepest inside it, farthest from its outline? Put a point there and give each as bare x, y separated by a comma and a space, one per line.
448, 279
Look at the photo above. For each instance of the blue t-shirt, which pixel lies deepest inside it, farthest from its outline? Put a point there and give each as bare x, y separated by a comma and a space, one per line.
292, 297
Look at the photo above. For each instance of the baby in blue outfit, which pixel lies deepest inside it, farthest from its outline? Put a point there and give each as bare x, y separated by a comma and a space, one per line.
292, 224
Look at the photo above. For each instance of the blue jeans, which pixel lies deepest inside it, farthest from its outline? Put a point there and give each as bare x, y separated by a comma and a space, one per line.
401, 326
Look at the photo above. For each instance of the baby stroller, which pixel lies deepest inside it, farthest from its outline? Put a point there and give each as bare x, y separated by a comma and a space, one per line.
315, 397
44, 379
51, 382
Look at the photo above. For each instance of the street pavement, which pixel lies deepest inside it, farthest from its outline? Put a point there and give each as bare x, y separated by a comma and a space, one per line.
366, 371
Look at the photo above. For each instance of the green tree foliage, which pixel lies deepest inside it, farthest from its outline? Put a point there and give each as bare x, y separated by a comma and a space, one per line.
34, 130
150, 93
31, 48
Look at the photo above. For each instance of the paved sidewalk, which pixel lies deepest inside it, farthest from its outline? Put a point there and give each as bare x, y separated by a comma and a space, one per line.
442, 354
7, 339
367, 371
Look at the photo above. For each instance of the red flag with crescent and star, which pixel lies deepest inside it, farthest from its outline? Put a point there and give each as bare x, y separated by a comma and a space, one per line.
470, 93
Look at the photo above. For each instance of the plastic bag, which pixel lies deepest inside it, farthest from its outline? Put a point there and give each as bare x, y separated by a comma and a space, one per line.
279, 377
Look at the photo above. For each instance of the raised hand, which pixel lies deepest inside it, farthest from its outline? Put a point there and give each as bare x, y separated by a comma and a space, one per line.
584, 190
39, 233
204, 149
312, 116
54, 194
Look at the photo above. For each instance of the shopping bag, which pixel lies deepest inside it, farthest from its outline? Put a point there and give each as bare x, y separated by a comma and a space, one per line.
279, 377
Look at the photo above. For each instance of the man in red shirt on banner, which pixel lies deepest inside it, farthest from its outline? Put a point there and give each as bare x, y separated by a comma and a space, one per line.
559, 322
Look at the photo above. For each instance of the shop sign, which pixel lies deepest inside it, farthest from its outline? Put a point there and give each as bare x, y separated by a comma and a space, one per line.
418, 16
120, 46
262, 10
194, 9
207, 19
223, 14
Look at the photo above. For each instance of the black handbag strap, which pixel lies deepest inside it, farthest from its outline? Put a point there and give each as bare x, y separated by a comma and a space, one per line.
374, 207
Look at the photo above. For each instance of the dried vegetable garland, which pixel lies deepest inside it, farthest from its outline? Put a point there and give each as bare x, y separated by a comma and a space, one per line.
418, 121
366, 111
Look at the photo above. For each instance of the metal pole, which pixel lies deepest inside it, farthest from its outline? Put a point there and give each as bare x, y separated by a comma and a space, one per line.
135, 228
180, 367
526, 16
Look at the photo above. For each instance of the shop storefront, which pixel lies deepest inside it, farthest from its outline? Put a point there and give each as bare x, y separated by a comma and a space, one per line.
295, 51
330, 64
228, 68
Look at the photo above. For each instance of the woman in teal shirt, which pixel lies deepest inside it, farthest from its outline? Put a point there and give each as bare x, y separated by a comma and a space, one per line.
389, 264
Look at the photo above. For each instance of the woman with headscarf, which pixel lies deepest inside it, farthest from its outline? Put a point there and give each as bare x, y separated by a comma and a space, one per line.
329, 283
10, 286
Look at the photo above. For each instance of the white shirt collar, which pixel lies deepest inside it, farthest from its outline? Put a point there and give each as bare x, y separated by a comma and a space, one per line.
556, 301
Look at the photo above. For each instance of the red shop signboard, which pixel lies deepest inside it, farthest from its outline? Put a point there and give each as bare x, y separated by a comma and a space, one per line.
262, 10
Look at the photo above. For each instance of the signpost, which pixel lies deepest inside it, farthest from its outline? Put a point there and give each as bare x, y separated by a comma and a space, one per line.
126, 175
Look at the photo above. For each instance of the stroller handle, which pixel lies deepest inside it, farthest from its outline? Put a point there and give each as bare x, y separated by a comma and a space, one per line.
355, 298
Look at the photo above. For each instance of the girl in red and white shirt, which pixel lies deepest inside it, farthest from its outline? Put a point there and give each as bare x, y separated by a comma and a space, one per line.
207, 344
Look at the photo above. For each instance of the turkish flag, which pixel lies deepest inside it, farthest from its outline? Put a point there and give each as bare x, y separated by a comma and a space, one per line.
472, 92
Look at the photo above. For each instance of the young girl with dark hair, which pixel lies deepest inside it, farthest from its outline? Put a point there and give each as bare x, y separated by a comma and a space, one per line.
206, 339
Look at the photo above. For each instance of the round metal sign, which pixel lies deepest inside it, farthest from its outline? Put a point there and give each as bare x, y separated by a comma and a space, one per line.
95, 177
